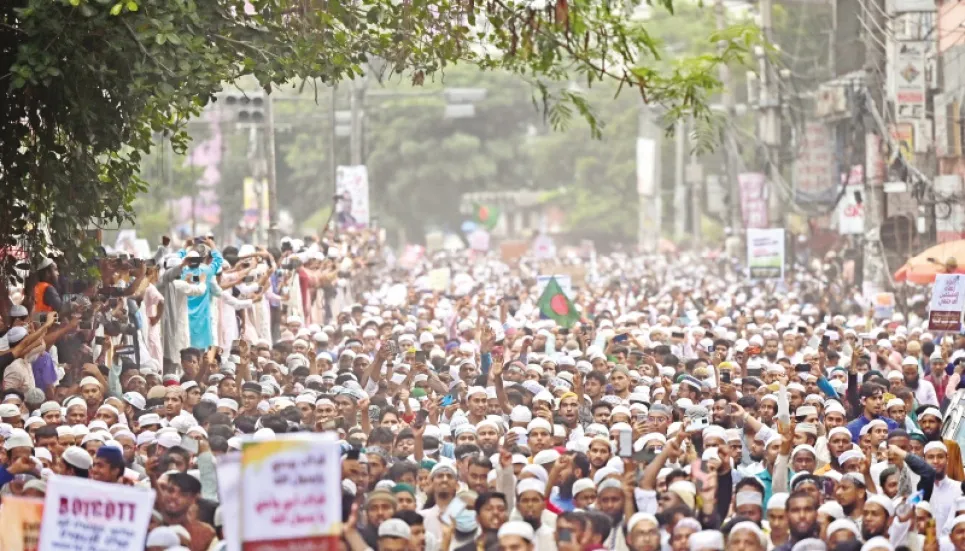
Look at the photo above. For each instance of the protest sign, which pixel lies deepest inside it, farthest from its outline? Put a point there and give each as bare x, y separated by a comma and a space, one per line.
291, 493
20, 523
229, 479
84, 515
439, 279
765, 253
947, 303
884, 305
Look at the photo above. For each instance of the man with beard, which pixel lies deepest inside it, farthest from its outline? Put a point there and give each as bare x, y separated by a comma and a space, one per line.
477, 473
930, 421
838, 442
802, 519
443, 484
851, 493
570, 467
611, 501
531, 509
380, 506
924, 391
643, 532
720, 412
771, 348
878, 519
940, 491
487, 437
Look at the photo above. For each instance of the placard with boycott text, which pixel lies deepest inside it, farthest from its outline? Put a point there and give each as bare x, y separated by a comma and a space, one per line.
291, 493
20, 523
947, 303
84, 515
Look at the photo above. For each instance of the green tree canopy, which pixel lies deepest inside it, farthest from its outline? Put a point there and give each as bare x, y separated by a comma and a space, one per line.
88, 82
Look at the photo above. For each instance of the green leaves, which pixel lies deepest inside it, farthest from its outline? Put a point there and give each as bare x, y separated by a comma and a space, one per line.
103, 76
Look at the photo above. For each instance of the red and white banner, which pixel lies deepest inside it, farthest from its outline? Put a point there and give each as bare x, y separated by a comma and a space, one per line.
753, 189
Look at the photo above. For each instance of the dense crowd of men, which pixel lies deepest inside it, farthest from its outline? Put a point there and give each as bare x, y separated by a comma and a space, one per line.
687, 408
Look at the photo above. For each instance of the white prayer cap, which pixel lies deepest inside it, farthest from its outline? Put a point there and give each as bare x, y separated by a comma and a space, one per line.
77, 457
883, 501
832, 508
844, 524
849, 455
706, 540
395, 528
936, 445
539, 423
748, 498
530, 484
778, 501
877, 543
517, 528
748, 525
581, 485
637, 517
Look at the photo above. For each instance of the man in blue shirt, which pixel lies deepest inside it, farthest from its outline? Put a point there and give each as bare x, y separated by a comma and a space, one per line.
872, 403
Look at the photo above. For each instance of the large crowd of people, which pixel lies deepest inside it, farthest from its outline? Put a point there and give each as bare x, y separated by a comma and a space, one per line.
686, 409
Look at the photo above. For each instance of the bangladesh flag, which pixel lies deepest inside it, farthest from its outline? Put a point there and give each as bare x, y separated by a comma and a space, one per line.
555, 305
487, 216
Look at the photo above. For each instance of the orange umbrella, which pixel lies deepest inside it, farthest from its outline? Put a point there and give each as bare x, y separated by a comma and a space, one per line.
922, 268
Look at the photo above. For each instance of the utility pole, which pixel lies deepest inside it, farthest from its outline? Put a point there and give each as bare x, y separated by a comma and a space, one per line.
679, 183
272, 180
872, 259
769, 124
332, 161
727, 98
694, 174
356, 136
649, 188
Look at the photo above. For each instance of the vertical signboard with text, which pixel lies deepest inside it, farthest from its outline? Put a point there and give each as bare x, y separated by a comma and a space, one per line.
291, 493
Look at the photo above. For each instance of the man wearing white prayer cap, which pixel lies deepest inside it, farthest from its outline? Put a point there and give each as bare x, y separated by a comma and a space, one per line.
643, 532
746, 536
706, 540
777, 519
516, 535
749, 504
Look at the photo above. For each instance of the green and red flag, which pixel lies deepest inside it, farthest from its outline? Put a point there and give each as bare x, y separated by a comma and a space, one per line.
555, 305
487, 216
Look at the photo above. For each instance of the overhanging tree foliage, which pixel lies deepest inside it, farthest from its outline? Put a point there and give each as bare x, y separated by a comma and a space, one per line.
88, 82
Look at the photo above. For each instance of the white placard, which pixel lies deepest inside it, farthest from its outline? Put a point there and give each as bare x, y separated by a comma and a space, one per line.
646, 167
947, 303
352, 187
84, 515
291, 491
765, 253
229, 487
